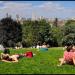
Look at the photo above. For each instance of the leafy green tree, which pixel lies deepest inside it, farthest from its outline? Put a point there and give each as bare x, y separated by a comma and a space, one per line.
69, 32
10, 32
69, 39
69, 27
34, 31
26, 30
44, 31
57, 35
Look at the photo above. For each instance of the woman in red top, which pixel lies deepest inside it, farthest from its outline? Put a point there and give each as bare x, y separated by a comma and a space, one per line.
68, 56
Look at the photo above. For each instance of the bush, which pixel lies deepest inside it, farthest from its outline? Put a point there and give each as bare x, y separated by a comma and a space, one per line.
68, 39
10, 32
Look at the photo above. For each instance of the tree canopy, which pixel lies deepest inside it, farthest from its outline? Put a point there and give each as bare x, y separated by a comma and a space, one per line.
34, 31
69, 32
10, 32
30, 33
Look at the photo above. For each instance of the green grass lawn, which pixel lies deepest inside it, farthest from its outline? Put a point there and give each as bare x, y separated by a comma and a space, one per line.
44, 62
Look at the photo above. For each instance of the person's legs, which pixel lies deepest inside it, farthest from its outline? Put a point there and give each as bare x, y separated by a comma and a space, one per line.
6, 61
74, 60
61, 61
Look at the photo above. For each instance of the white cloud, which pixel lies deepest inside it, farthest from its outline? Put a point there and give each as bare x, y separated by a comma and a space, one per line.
50, 6
55, 9
15, 8
13, 5
47, 9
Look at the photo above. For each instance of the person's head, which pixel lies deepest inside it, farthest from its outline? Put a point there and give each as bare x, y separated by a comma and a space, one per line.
69, 48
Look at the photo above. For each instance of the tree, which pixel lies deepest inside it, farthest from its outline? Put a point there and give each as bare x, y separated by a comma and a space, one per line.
57, 35
69, 32
44, 31
10, 32
34, 31
69, 39
27, 30
69, 27
56, 22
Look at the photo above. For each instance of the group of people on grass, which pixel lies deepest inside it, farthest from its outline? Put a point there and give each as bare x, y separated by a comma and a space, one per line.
6, 57
68, 56
44, 45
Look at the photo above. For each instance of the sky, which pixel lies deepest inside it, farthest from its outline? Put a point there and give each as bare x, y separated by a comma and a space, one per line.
28, 9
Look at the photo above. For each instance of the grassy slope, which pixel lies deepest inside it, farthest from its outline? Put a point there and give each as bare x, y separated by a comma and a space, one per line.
42, 62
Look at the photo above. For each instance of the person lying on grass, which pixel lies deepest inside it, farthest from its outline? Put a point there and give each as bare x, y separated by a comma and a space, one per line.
68, 56
15, 57
8, 58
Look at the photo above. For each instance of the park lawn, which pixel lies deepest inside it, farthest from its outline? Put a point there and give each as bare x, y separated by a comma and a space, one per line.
44, 62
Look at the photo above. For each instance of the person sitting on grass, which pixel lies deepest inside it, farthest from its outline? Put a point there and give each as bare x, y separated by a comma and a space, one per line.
68, 56
44, 45
8, 58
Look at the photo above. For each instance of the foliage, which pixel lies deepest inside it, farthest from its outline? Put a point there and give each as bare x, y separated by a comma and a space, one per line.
41, 63
57, 35
34, 31
69, 33
10, 32
27, 31
44, 31
69, 27
69, 39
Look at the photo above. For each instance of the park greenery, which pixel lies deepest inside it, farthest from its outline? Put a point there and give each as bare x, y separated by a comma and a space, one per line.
69, 32
42, 63
10, 32
31, 33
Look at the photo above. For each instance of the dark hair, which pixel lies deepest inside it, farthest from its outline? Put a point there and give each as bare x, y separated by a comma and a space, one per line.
69, 48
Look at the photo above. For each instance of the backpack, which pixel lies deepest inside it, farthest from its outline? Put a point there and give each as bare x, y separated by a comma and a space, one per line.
29, 54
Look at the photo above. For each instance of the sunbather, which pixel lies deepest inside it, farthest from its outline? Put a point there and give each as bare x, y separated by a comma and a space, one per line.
8, 58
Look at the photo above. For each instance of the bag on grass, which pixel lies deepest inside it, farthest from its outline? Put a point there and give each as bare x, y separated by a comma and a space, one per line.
29, 54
